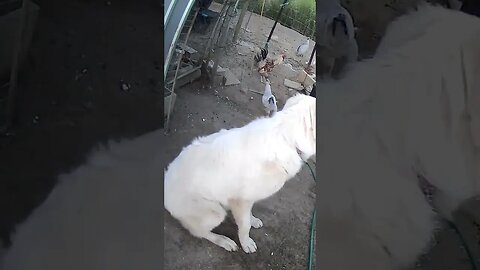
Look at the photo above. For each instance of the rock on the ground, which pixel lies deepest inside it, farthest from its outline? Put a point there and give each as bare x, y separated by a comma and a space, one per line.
229, 78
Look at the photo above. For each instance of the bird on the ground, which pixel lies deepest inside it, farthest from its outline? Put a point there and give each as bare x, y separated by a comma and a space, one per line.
279, 59
261, 54
260, 57
303, 48
269, 100
267, 65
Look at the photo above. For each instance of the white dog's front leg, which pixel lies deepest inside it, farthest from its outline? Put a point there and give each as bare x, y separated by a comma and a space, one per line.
242, 212
256, 222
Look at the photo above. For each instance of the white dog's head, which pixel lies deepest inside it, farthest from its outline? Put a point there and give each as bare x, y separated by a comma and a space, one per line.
301, 110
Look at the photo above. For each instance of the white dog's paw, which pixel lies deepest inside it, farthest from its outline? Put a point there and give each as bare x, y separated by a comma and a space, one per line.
227, 244
249, 245
256, 222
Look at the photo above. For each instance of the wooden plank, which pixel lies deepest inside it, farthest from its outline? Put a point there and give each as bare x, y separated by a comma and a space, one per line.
191, 77
292, 84
184, 72
301, 76
187, 49
309, 81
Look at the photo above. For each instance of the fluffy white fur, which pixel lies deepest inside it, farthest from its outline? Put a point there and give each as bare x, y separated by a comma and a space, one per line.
104, 215
233, 169
413, 109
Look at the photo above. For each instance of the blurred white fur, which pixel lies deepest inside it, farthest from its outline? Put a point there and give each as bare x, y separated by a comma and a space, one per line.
232, 169
410, 110
105, 215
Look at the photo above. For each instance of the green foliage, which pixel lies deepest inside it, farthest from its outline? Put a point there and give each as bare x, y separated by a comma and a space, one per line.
298, 14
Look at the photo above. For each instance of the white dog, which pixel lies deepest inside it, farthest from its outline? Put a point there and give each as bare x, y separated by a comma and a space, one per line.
233, 169
411, 110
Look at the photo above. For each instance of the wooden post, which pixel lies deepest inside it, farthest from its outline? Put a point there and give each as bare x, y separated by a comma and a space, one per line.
248, 21
263, 5
240, 20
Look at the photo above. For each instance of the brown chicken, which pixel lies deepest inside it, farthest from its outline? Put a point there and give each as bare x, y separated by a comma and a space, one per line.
267, 65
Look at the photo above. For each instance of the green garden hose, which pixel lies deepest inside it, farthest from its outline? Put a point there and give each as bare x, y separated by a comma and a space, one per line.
464, 244
312, 229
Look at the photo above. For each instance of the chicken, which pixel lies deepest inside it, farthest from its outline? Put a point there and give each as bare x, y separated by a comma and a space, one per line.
264, 70
336, 34
269, 100
261, 54
303, 48
267, 65
260, 57
262, 63
279, 59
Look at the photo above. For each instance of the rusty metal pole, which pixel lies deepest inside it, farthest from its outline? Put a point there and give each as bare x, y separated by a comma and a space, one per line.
311, 56
240, 20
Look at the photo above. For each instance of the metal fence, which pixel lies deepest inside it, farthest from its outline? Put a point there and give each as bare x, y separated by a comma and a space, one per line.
301, 21
194, 49
304, 24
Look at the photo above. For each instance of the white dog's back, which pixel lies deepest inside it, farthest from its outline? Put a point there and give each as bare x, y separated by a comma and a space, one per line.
230, 163
226, 164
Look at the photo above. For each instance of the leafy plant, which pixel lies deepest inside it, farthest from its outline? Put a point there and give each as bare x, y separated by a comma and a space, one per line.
298, 14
